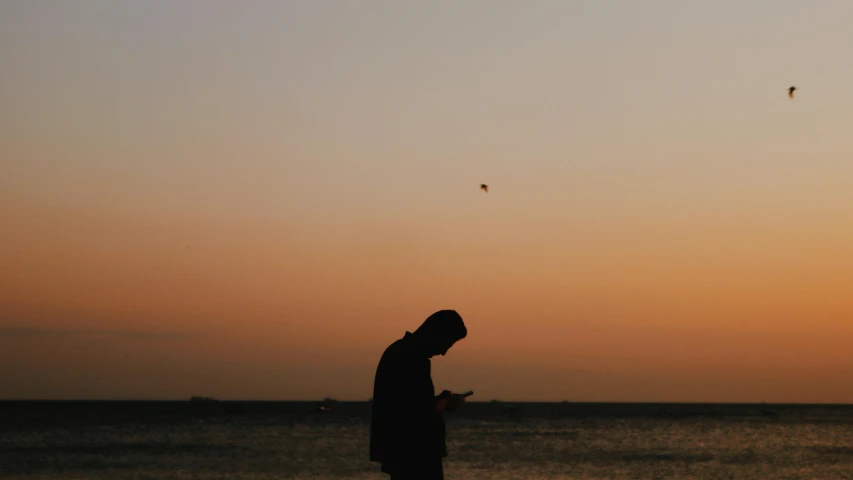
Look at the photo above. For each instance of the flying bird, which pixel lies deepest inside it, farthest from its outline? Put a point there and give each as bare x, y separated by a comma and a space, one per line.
484, 187
791, 92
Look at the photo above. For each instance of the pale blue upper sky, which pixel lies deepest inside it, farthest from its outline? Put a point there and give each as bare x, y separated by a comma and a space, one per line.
349, 92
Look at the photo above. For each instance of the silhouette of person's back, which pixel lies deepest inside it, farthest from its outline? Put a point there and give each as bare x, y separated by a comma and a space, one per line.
407, 432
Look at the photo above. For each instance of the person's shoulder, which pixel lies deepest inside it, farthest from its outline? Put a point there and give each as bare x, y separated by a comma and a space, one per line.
399, 349
396, 348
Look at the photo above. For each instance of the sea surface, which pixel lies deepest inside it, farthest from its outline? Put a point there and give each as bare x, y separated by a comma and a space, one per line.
289, 440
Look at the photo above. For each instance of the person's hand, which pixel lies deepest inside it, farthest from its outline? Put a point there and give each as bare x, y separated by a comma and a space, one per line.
448, 401
455, 401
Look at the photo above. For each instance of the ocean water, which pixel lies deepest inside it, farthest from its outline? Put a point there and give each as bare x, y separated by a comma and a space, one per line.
275, 445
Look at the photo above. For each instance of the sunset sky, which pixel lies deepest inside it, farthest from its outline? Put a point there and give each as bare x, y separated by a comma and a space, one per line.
251, 200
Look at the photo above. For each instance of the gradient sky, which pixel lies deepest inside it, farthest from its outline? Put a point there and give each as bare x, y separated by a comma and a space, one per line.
251, 200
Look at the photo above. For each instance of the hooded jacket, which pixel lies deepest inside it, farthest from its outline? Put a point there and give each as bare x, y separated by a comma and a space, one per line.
405, 428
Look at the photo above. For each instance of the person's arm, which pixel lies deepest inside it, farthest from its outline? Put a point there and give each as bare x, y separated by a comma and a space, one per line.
441, 400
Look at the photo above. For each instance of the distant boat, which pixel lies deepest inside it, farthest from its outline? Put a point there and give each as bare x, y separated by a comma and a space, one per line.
326, 405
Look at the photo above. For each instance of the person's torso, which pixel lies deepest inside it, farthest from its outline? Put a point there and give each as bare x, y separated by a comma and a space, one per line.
403, 410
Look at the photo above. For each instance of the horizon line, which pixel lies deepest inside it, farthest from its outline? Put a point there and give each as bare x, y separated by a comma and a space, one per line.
605, 402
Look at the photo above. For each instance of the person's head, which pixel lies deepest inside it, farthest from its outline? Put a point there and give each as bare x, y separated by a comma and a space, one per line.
440, 331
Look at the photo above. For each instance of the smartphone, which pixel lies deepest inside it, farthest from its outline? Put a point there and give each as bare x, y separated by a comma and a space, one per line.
467, 394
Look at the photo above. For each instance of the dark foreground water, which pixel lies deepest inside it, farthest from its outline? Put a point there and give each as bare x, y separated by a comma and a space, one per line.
275, 440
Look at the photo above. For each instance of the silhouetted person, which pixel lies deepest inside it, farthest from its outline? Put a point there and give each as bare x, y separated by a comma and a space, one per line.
407, 423
791, 92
